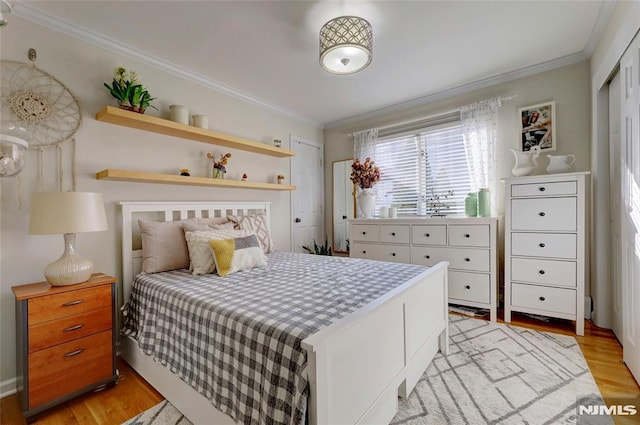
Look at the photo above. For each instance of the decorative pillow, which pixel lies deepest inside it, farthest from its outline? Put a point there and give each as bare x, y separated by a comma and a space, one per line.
233, 255
197, 227
200, 252
163, 246
256, 223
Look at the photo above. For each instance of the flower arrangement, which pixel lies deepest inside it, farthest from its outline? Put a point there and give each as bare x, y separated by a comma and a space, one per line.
127, 88
219, 166
364, 174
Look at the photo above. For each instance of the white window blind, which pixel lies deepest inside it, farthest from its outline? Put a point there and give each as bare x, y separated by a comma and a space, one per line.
421, 166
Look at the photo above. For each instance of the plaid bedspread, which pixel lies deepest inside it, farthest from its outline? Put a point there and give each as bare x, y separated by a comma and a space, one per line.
236, 340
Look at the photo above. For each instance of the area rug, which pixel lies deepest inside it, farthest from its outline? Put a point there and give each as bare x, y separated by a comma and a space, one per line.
494, 374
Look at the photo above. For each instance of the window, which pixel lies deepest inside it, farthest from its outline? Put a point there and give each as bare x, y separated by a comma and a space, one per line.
419, 167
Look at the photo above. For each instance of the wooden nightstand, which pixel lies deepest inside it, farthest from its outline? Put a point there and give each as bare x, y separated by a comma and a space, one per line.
66, 343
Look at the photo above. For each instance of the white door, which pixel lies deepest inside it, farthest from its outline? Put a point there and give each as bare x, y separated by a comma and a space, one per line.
630, 218
307, 201
615, 211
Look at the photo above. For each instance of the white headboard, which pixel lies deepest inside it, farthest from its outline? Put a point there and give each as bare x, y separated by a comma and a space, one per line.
169, 211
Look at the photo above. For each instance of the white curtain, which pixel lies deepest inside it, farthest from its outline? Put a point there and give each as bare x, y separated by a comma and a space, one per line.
479, 130
364, 144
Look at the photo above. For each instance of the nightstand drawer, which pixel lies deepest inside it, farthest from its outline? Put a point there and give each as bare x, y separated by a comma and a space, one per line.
550, 245
69, 367
394, 253
469, 287
54, 332
550, 214
394, 234
365, 232
545, 189
364, 250
429, 235
560, 273
544, 298
473, 236
51, 307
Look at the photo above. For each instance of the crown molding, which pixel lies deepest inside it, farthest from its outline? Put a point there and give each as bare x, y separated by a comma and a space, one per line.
35, 15
604, 14
458, 90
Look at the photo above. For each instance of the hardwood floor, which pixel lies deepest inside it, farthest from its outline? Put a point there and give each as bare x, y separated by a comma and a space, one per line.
133, 394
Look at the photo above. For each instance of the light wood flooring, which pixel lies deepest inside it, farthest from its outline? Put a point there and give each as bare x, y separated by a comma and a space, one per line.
133, 394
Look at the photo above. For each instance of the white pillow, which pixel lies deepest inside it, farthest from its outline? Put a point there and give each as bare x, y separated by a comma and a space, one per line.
256, 223
200, 252
234, 255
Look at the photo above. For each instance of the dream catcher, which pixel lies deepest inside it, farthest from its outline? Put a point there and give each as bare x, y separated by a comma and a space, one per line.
38, 108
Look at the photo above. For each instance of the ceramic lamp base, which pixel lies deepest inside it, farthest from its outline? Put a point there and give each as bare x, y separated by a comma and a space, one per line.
70, 269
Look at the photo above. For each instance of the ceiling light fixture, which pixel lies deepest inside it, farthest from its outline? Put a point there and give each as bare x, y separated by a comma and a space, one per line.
346, 45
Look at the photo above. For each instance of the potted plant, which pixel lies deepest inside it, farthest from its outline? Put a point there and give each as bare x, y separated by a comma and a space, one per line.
129, 91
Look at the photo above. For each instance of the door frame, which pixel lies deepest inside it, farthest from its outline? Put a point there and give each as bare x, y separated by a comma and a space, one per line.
293, 138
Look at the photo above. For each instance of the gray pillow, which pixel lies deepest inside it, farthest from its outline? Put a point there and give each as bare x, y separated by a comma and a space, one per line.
163, 246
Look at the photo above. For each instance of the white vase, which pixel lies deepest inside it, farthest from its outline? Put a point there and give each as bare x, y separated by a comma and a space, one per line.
367, 202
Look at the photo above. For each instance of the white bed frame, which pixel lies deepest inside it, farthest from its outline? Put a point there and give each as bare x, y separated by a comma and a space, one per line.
358, 366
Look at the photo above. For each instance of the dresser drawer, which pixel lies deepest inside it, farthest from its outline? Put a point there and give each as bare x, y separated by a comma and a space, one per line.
545, 214
458, 258
545, 189
395, 233
544, 298
429, 235
476, 235
51, 307
469, 287
57, 371
550, 272
550, 245
395, 253
364, 250
54, 332
365, 232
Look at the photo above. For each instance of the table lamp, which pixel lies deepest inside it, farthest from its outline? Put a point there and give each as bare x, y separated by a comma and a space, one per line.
67, 213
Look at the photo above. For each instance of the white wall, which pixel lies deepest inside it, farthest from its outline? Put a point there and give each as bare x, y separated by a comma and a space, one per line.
568, 86
83, 68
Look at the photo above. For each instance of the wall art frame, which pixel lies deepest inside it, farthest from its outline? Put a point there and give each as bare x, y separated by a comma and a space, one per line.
537, 127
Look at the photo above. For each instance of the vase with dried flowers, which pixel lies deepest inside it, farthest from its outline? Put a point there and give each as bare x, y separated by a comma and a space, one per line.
129, 91
365, 175
219, 167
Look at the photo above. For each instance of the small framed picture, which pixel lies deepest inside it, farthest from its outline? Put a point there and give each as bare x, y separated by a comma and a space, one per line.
537, 124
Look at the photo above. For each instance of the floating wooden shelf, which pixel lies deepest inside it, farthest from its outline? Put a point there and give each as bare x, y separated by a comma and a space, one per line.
135, 176
130, 119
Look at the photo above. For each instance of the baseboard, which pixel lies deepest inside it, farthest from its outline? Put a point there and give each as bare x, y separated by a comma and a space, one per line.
7, 387
587, 307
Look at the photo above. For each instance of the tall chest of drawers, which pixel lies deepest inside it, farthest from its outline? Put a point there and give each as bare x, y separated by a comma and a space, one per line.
546, 259
65, 341
468, 244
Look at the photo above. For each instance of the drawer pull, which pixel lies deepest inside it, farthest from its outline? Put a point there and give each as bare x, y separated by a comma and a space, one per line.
364, 233
393, 233
467, 259
466, 235
467, 287
427, 256
541, 214
541, 272
74, 328
70, 303
542, 298
74, 353
542, 189
393, 254
541, 245
426, 235
364, 252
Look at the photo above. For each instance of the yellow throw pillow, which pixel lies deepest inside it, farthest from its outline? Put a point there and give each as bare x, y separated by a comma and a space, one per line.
233, 255
223, 254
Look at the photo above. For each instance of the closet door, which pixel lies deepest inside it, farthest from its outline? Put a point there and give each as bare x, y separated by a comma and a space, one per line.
630, 218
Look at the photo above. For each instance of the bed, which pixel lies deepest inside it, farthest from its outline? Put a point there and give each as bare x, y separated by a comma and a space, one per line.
355, 365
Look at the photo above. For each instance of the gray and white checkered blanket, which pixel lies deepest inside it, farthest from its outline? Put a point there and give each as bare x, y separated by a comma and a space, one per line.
236, 340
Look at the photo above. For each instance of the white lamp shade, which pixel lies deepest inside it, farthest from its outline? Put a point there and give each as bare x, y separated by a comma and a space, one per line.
54, 213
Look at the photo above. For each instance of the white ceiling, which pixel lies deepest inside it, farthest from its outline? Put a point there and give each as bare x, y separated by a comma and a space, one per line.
268, 50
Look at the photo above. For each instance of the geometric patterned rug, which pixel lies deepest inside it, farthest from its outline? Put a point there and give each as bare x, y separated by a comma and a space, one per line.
494, 374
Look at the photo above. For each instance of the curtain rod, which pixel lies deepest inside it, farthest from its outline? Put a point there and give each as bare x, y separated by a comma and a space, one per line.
384, 127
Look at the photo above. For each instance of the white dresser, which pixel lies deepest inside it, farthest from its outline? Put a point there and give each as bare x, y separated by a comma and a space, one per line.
468, 244
545, 246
